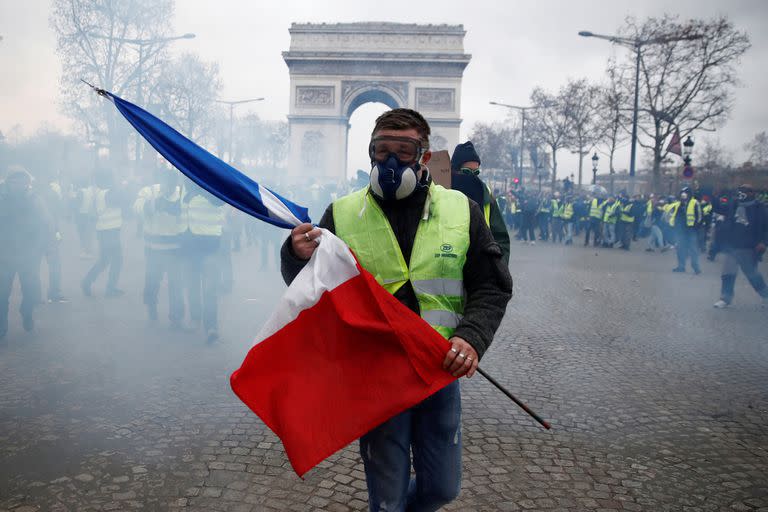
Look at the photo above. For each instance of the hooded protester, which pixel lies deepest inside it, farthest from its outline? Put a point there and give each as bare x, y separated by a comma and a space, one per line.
744, 239
25, 230
466, 161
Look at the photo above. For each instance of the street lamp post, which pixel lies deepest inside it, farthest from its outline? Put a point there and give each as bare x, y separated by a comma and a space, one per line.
522, 111
637, 44
232, 118
595, 159
687, 151
141, 43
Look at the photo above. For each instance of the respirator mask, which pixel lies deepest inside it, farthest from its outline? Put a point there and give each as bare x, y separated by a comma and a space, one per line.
394, 166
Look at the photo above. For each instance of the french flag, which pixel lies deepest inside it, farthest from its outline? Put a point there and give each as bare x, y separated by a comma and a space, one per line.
340, 355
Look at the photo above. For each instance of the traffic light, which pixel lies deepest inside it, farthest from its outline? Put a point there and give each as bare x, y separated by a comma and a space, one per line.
516, 181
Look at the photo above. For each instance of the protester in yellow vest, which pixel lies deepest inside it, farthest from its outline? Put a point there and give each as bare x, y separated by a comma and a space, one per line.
610, 218
432, 249
624, 225
158, 206
685, 218
566, 217
594, 225
203, 217
109, 202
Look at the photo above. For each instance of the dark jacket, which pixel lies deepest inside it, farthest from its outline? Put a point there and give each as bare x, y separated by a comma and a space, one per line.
738, 235
487, 282
25, 227
498, 227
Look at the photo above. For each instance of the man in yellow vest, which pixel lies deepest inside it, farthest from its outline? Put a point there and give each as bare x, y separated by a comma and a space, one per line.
108, 201
625, 223
396, 227
158, 207
566, 216
204, 218
594, 226
685, 219
610, 217
85, 216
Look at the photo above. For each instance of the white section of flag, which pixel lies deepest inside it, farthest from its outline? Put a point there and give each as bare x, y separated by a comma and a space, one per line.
331, 265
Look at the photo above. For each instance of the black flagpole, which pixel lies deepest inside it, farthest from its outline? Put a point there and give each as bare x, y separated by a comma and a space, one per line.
524, 407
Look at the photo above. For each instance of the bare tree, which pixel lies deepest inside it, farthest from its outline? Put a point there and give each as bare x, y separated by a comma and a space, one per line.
580, 99
713, 157
689, 81
93, 42
549, 124
495, 143
187, 89
612, 114
758, 149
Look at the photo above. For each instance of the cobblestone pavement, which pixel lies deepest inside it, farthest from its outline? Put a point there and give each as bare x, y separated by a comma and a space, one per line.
658, 402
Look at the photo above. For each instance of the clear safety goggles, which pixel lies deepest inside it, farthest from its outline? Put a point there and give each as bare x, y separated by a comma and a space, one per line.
406, 149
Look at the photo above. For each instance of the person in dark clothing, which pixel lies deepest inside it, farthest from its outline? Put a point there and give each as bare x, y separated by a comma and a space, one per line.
745, 236
465, 160
25, 228
403, 209
530, 206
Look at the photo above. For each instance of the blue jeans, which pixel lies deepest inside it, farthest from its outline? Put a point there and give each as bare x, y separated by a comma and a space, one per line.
432, 429
687, 245
655, 239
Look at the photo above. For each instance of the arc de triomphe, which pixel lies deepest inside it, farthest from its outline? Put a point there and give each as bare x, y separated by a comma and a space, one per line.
335, 68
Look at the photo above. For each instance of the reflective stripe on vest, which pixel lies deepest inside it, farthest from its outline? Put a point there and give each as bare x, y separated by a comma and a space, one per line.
625, 213
161, 229
595, 210
204, 218
107, 217
567, 211
610, 213
690, 213
439, 252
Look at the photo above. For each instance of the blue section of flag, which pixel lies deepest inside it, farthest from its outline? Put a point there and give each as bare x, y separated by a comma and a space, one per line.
209, 172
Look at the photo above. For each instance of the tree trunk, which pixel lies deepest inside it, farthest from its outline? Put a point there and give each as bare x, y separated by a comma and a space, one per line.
581, 163
554, 169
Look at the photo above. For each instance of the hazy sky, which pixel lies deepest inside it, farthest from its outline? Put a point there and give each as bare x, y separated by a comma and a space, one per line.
515, 46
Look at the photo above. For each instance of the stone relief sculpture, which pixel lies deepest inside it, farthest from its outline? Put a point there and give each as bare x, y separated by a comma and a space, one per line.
315, 95
434, 99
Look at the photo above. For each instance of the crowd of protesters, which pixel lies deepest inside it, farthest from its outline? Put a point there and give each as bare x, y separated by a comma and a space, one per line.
733, 222
187, 238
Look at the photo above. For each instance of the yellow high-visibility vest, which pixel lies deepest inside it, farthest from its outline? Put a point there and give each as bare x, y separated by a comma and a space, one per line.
595, 210
691, 212
107, 217
436, 268
204, 218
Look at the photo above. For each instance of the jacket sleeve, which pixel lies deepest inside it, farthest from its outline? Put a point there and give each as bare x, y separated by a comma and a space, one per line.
290, 264
487, 283
499, 230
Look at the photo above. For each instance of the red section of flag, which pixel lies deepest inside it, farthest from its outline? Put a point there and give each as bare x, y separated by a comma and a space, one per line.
674, 144
343, 366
